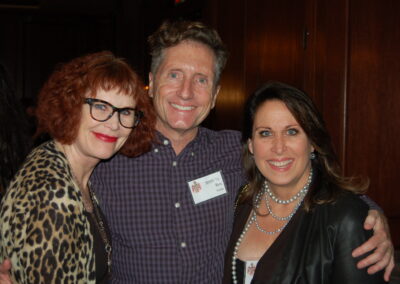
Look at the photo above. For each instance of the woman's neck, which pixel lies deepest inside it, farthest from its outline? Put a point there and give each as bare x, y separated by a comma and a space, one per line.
81, 166
289, 190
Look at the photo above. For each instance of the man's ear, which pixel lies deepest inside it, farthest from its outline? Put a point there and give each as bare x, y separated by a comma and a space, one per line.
150, 92
215, 95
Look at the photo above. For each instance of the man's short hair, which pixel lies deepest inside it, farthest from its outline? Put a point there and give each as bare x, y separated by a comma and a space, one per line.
170, 34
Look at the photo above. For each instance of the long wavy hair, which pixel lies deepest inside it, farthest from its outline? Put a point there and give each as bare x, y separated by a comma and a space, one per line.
307, 115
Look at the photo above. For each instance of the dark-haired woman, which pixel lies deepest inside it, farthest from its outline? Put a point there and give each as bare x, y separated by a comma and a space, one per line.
51, 226
298, 219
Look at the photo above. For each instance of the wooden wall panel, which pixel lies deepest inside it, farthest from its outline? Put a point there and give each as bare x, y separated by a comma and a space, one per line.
274, 43
230, 23
327, 66
374, 102
265, 40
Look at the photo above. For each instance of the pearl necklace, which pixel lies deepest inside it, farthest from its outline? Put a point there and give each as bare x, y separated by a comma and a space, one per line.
302, 192
235, 250
241, 237
287, 218
253, 218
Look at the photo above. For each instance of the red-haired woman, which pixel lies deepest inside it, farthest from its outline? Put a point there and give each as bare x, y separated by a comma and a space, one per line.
51, 226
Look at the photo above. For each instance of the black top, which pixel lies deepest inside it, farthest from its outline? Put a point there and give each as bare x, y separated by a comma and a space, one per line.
99, 247
315, 247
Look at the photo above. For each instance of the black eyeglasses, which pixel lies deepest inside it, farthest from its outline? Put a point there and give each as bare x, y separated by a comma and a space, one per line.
102, 111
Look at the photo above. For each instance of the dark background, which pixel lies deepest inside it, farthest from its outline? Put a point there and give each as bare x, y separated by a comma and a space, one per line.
344, 53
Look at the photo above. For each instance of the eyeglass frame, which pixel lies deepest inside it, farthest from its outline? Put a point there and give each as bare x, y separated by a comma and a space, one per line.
138, 113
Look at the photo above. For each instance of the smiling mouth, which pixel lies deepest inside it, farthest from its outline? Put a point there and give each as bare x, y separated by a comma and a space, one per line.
106, 138
182, 107
280, 163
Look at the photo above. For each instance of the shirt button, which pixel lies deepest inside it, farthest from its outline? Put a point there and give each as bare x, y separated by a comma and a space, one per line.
155, 150
192, 154
183, 244
166, 142
174, 163
177, 205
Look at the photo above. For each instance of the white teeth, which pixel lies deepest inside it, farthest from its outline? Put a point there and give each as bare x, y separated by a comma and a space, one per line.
280, 164
182, 107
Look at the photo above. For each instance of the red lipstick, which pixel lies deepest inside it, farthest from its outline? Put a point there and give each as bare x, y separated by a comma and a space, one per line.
105, 138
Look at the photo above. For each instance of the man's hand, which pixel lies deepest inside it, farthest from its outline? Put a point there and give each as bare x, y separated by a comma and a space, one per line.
5, 272
380, 242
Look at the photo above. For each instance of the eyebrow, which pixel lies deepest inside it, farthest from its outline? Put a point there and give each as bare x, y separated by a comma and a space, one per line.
288, 126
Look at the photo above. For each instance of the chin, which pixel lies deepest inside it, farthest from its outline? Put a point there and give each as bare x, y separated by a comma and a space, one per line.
279, 181
104, 155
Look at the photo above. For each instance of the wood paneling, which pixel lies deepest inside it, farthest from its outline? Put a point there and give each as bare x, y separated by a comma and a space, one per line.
374, 102
274, 43
231, 27
327, 66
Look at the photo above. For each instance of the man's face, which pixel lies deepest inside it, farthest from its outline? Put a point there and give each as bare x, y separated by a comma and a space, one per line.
183, 88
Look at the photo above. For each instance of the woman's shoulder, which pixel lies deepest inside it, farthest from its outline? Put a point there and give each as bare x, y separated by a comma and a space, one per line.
44, 163
349, 202
347, 210
43, 172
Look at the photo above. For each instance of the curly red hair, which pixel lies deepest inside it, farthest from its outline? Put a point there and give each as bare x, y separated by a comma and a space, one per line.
60, 101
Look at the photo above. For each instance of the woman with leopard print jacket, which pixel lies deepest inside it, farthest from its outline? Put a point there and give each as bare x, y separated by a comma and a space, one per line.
51, 227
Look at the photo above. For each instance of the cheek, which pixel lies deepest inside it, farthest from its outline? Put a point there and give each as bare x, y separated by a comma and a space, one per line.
125, 134
260, 150
303, 150
167, 88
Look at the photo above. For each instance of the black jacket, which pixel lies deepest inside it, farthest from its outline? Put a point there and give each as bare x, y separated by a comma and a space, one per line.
315, 247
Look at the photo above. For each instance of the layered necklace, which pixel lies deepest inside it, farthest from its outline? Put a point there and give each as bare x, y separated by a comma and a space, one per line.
253, 219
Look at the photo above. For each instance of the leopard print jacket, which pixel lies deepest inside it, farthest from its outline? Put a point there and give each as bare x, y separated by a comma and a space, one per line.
42, 226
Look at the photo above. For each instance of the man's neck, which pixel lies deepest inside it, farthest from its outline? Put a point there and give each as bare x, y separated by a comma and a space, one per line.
179, 139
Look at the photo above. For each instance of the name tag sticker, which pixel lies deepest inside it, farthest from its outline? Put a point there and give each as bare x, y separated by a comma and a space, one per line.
207, 187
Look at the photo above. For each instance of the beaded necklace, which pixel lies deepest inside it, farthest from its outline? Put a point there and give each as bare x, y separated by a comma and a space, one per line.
302, 192
253, 219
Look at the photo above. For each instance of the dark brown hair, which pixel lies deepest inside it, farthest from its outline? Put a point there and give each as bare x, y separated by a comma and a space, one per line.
307, 115
61, 98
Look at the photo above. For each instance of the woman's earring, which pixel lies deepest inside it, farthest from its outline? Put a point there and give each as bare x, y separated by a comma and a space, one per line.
312, 156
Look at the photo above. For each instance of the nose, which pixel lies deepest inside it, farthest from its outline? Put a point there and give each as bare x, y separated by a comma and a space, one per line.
113, 121
186, 89
279, 144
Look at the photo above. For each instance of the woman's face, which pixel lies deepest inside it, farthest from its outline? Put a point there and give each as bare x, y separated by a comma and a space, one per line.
101, 140
280, 147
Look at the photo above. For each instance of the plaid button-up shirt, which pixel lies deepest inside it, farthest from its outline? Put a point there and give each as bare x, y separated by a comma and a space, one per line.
159, 235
